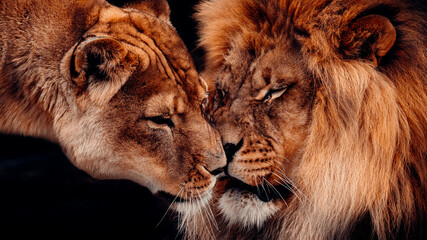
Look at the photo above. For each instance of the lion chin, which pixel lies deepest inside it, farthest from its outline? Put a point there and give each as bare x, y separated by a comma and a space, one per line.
245, 209
321, 108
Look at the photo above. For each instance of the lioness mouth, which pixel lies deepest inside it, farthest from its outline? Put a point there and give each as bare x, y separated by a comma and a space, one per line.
264, 192
170, 198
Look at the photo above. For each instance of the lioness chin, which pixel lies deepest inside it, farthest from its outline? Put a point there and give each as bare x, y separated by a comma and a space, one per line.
115, 87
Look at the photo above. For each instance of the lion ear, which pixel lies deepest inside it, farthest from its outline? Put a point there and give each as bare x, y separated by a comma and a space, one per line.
100, 67
158, 8
369, 38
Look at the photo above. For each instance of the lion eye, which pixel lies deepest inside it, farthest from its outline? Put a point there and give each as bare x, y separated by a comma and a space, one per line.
162, 120
205, 103
219, 99
221, 93
271, 94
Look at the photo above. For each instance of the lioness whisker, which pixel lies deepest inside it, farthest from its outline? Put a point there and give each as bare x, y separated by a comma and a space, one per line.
212, 216
170, 205
212, 232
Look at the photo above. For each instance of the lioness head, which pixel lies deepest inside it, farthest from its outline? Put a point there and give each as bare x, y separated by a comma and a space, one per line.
135, 105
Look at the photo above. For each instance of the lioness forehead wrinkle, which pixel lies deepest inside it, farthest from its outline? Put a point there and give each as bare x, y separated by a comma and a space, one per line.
179, 105
159, 104
112, 14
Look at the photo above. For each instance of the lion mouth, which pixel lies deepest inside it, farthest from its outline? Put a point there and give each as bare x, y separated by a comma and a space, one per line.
264, 192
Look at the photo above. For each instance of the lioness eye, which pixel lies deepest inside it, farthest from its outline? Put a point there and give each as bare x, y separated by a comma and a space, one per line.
162, 120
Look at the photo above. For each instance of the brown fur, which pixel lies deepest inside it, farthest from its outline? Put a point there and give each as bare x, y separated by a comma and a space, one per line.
348, 134
115, 87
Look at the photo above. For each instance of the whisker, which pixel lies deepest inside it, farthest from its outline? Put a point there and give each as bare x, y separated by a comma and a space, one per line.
263, 188
256, 183
283, 157
262, 185
274, 188
282, 171
170, 205
286, 184
285, 180
194, 222
212, 216
202, 216
180, 220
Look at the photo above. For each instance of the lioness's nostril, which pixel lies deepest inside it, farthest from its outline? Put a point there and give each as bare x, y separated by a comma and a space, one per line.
230, 149
217, 171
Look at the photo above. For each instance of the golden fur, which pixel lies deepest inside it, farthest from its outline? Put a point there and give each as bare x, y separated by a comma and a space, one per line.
115, 87
321, 106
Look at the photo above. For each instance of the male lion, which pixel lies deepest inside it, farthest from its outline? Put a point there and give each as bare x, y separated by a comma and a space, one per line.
116, 88
321, 106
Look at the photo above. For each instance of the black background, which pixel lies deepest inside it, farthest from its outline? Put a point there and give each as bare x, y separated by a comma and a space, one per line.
42, 195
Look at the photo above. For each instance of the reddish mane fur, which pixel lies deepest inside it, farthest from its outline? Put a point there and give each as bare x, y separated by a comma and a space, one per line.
371, 119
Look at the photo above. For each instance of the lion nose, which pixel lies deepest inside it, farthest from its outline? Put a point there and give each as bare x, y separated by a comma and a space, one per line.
230, 149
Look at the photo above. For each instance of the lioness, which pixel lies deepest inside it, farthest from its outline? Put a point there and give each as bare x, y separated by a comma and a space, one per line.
115, 87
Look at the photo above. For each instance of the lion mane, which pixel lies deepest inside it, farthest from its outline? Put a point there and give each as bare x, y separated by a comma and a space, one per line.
363, 167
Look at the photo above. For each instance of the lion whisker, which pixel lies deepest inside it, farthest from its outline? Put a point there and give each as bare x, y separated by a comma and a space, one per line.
256, 183
286, 184
283, 157
262, 185
274, 188
281, 170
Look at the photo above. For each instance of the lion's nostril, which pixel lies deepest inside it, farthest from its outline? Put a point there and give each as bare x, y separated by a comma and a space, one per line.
230, 149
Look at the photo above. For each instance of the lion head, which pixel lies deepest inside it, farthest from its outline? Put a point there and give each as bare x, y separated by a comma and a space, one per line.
119, 92
321, 110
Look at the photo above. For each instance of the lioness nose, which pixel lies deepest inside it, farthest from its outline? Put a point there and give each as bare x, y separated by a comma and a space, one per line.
217, 171
216, 161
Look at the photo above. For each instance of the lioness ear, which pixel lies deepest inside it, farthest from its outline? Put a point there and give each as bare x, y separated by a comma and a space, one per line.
100, 68
369, 37
158, 8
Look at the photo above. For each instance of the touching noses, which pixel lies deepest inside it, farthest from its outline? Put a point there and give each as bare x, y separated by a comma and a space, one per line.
231, 149
217, 163
216, 157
